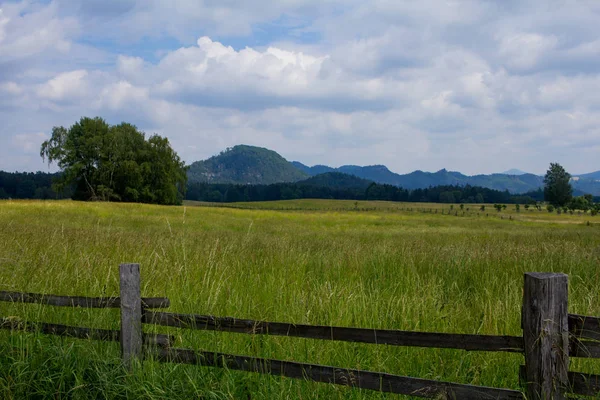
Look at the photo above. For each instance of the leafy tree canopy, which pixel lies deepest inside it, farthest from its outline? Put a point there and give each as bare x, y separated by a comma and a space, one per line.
557, 186
115, 163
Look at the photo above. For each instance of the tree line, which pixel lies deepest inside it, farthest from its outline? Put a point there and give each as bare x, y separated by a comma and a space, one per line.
38, 185
31, 185
229, 193
105, 162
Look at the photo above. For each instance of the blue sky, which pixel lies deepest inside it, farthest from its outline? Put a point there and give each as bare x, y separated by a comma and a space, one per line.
474, 86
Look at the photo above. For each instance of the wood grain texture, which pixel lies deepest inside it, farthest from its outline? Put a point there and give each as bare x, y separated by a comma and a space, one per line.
78, 301
347, 377
584, 348
131, 313
584, 327
584, 384
579, 383
546, 335
159, 340
375, 336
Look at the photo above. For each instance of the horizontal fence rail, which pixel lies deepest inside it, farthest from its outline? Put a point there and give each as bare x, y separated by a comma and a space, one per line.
159, 340
361, 335
584, 349
579, 383
584, 384
550, 337
78, 301
584, 327
347, 377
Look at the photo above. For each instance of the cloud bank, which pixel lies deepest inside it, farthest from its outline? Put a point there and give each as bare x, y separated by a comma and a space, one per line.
473, 86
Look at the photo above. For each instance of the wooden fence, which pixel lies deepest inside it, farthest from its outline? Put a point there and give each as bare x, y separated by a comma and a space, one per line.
550, 337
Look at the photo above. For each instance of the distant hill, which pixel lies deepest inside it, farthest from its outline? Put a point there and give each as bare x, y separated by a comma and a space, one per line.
419, 179
590, 186
245, 165
337, 180
514, 183
375, 173
314, 170
256, 165
591, 176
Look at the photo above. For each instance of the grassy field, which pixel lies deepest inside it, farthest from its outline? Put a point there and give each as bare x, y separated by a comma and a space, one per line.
362, 264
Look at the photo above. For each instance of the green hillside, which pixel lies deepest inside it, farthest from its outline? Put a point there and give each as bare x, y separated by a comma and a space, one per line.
314, 170
337, 180
245, 165
255, 165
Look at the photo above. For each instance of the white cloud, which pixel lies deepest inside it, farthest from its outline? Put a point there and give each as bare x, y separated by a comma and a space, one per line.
65, 86
11, 88
186, 20
120, 94
524, 50
471, 86
27, 30
3, 23
130, 67
213, 66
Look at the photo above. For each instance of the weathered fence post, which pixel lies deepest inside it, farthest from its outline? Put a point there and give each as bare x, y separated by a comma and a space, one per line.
131, 314
546, 335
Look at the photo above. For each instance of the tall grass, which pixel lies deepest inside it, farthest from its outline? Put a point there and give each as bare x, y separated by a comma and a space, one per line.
333, 265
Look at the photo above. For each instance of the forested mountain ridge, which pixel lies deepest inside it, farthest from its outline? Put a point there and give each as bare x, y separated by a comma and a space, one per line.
586, 183
337, 180
591, 176
420, 179
245, 165
314, 170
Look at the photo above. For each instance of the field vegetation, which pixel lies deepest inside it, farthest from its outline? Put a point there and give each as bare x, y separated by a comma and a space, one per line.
382, 265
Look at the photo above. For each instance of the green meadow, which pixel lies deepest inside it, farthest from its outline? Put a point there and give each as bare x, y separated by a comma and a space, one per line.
344, 263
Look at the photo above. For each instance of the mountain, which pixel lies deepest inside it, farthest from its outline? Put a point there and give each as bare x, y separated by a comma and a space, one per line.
513, 171
590, 186
337, 180
419, 179
314, 170
375, 173
595, 176
255, 165
512, 183
245, 165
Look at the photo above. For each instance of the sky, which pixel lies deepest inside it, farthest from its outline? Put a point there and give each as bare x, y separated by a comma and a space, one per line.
472, 86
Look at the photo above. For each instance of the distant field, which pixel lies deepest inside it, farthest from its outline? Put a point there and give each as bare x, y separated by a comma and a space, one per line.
469, 210
362, 264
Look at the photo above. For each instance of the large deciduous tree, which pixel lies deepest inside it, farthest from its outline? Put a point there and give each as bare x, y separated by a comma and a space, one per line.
115, 163
557, 186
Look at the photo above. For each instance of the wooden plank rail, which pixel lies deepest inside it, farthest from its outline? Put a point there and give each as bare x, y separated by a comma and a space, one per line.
584, 384
584, 327
579, 383
159, 340
347, 377
550, 337
375, 336
584, 349
78, 301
